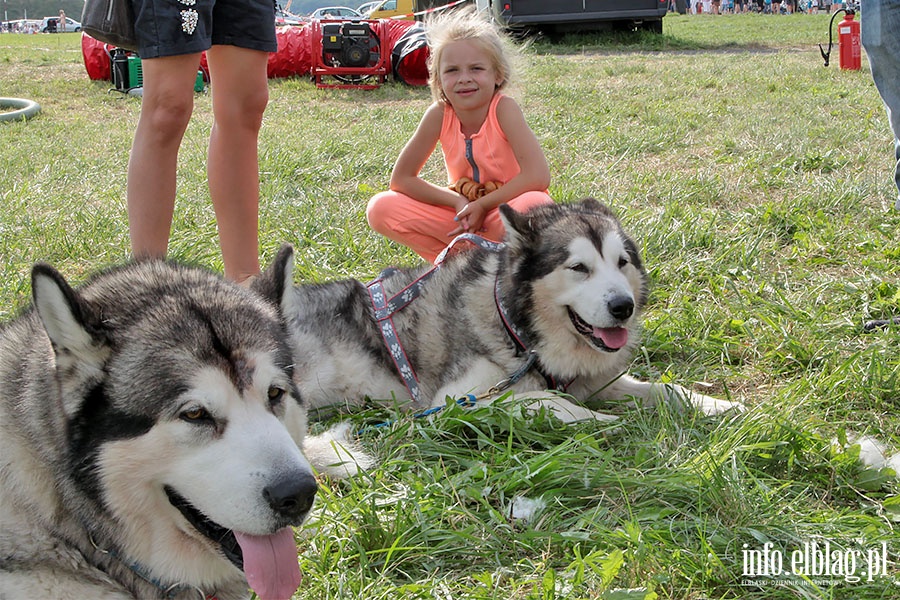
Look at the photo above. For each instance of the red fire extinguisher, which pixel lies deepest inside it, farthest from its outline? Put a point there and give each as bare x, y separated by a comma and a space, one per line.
848, 41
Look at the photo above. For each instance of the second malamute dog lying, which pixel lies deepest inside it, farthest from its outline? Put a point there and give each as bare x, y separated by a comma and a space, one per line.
556, 307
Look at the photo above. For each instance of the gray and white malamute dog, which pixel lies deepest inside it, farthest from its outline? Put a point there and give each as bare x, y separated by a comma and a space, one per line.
149, 431
556, 307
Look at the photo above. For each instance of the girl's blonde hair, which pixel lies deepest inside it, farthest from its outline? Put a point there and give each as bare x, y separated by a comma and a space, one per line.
465, 24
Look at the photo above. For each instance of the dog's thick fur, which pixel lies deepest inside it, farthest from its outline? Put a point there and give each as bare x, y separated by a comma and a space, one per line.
148, 421
572, 283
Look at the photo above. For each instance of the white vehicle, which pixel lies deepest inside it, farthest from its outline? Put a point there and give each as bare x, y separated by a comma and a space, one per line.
51, 25
335, 12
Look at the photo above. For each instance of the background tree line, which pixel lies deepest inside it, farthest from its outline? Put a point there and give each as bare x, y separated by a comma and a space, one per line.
38, 9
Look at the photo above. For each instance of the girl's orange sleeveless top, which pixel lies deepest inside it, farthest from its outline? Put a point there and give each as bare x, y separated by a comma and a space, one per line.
485, 156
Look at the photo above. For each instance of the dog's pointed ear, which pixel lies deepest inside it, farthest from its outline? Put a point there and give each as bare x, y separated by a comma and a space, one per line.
69, 321
519, 228
275, 283
74, 327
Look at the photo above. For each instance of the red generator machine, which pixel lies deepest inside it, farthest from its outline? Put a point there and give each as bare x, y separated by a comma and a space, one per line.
349, 54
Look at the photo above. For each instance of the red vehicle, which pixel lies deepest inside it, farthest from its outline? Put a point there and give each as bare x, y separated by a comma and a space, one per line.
564, 16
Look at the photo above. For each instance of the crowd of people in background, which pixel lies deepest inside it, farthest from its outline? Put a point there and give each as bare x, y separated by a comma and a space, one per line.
784, 7
20, 26
53, 25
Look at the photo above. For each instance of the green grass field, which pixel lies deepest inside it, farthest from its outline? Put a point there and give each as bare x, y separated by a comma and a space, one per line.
758, 184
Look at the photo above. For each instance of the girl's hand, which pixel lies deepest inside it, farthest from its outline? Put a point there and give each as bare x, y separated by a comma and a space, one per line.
463, 223
470, 219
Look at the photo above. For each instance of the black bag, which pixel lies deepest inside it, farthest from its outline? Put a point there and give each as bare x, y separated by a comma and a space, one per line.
409, 56
110, 21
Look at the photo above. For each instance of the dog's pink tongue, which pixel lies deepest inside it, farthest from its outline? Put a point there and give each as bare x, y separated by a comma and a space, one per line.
613, 337
270, 563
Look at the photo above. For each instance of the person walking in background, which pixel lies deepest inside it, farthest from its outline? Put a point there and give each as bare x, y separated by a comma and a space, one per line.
491, 155
880, 26
62, 21
237, 35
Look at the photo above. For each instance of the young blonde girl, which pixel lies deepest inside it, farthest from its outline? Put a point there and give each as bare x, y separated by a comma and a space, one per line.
483, 136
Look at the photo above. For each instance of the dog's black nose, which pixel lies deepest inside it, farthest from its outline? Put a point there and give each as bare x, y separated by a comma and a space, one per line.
621, 307
293, 496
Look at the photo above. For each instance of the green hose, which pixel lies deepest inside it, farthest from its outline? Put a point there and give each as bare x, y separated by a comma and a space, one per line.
26, 109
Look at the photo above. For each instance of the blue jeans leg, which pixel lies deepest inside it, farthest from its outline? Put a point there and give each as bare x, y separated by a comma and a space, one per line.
880, 24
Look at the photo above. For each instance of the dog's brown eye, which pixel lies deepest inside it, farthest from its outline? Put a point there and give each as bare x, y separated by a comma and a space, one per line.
622, 262
194, 415
276, 395
579, 268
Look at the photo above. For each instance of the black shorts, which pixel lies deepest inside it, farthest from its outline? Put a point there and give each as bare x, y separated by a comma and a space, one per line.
176, 27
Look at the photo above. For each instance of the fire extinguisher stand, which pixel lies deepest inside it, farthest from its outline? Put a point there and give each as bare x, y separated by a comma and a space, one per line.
848, 39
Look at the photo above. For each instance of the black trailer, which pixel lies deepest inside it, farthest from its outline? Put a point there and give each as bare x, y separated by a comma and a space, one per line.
555, 17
